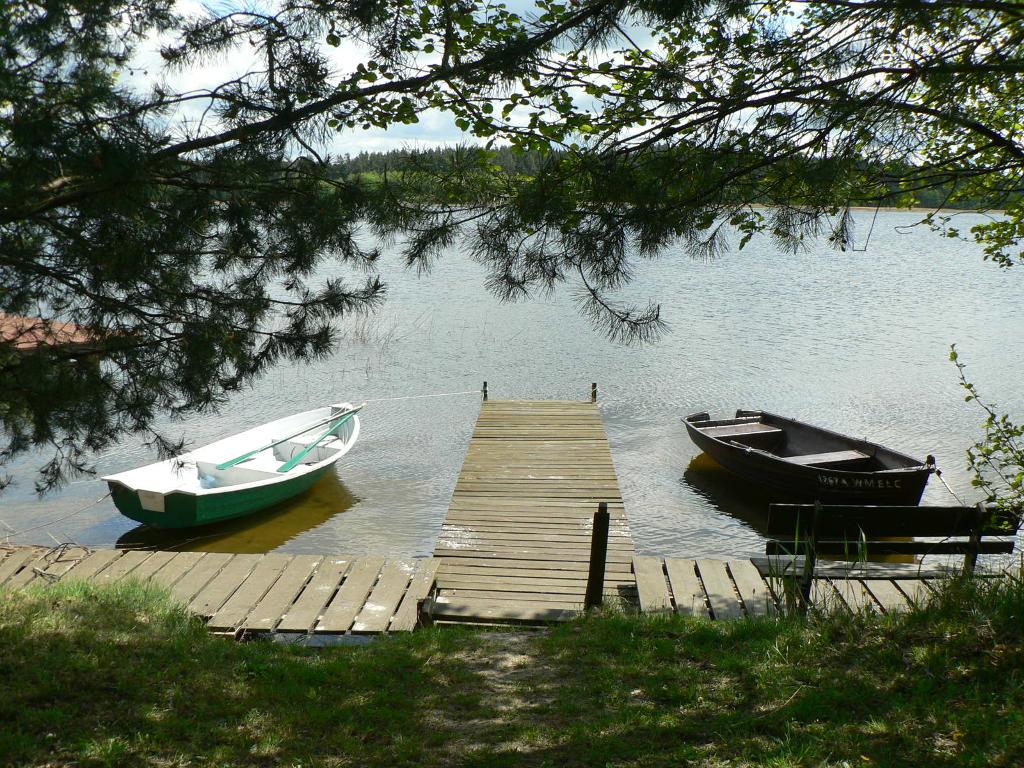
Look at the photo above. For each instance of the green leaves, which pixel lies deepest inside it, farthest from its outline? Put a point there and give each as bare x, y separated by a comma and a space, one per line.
644, 126
997, 460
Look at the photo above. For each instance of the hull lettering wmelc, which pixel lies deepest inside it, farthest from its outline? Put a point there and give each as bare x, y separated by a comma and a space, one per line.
854, 483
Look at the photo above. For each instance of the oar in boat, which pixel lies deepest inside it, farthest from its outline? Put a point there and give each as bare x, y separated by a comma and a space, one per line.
295, 460
250, 454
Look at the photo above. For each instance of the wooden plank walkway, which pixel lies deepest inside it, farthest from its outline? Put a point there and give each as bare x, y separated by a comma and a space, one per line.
249, 594
515, 545
731, 589
514, 548
295, 595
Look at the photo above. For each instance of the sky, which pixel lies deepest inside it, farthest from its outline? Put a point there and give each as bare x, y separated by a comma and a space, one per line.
434, 129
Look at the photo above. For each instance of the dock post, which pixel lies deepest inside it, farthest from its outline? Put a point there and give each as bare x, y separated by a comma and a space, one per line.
974, 544
485, 390
598, 557
593, 392
810, 558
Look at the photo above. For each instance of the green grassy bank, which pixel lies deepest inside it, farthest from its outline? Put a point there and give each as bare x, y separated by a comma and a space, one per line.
120, 676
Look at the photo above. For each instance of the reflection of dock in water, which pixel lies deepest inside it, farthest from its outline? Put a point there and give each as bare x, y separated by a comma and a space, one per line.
262, 532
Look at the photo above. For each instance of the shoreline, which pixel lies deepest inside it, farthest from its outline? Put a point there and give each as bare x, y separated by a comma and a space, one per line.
915, 209
922, 209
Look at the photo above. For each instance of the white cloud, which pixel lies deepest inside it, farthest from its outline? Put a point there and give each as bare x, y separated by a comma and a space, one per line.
434, 129
149, 69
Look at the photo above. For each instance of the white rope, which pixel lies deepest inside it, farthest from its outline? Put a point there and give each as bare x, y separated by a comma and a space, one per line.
420, 397
938, 474
57, 519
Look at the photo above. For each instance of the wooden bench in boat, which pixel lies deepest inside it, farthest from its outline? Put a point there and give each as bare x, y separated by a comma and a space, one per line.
814, 529
830, 459
725, 431
756, 434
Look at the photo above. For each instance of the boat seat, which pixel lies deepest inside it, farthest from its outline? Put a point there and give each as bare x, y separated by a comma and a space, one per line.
731, 431
250, 472
285, 451
831, 459
754, 434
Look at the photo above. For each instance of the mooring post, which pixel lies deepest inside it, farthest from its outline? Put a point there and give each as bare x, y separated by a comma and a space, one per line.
485, 390
593, 392
598, 557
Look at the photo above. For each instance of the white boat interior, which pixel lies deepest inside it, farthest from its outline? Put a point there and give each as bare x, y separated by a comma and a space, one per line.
197, 471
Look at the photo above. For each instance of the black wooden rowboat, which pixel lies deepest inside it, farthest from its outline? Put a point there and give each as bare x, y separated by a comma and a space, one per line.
808, 461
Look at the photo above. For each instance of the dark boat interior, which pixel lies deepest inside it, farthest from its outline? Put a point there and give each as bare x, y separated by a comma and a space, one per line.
800, 443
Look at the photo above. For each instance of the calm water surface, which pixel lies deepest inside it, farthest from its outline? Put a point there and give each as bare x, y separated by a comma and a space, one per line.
855, 341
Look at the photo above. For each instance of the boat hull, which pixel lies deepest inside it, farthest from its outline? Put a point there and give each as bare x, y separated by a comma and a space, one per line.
240, 474
186, 510
892, 487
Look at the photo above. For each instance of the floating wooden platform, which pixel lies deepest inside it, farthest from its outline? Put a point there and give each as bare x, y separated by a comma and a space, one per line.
515, 545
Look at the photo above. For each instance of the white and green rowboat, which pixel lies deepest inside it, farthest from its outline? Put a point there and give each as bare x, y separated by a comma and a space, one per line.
240, 474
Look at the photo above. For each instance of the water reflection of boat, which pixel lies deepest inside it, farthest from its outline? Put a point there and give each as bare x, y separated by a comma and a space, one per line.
746, 501
261, 532
729, 494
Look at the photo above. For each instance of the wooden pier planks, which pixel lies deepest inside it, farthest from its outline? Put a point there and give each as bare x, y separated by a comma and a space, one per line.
736, 588
368, 595
650, 585
196, 575
100, 560
116, 569
688, 595
269, 609
233, 611
383, 601
176, 568
408, 613
308, 606
56, 564
351, 596
152, 564
226, 582
754, 592
515, 545
16, 560
250, 593
722, 595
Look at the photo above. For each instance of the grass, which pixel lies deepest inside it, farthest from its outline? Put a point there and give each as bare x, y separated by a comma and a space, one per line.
120, 676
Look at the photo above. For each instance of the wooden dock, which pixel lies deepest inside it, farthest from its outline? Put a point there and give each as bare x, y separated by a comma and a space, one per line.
514, 548
249, 594
733, 589
515, 545
323, 597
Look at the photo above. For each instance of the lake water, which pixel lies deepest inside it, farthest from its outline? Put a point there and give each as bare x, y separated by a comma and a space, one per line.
855, 341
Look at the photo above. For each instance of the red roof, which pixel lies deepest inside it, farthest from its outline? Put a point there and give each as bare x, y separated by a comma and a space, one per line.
32, 332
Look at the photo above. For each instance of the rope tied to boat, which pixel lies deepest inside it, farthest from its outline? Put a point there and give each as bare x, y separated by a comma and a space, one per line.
938, 474
420, 397
47, 524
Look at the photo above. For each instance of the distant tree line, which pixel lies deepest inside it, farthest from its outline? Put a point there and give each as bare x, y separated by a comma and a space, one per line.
180, 227
517, 162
